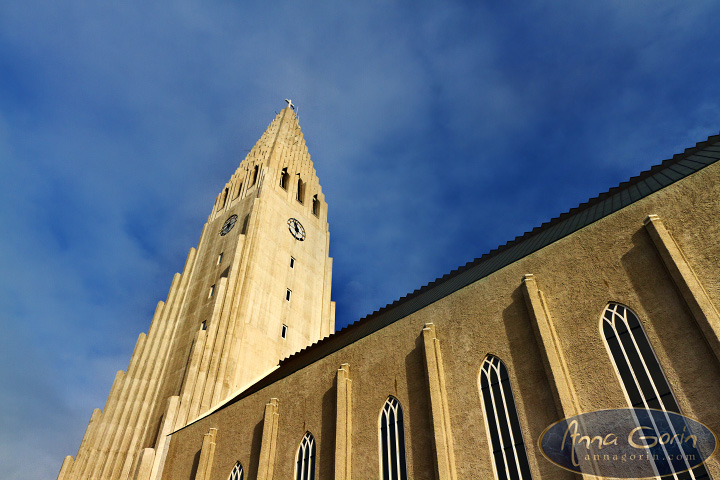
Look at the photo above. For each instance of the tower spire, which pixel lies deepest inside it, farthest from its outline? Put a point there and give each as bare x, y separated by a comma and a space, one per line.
280, 157
255, 290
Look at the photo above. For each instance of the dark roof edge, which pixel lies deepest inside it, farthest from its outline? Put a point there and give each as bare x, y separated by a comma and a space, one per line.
650, 181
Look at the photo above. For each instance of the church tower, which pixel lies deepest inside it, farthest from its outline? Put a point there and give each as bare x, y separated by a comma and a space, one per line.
255, 290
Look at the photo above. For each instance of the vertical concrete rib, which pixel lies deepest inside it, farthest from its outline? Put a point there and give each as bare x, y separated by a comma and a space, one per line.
691, 289
231, 320
231, 353
113, 412
221, 339
131, 444
327, 326
143, 465
85, 444
190, 379
98, 452
551, 350
131, 412
343, 424
208, 351
163, 441
266, 463
66, 468
207, 455
439, 409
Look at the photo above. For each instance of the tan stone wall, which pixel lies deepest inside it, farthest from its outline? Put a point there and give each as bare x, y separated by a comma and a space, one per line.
612, 260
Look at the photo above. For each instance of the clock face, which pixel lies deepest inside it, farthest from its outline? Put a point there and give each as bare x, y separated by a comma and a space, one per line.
296, 229
228, 225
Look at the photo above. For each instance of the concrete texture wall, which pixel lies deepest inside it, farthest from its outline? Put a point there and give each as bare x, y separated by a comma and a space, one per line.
611, 260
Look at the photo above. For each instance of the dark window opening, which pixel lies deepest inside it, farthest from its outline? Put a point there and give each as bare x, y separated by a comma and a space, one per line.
506, 441
639, 370
316, 206
223, 199
300, 190
284, 178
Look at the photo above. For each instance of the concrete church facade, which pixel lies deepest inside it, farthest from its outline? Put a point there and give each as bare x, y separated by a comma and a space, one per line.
613, 304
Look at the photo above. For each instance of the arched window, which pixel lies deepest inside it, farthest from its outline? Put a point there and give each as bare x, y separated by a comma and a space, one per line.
253, 179
501, 419
237, 472
284, 178
392, 441
635, 362
316, 206
640, 372
300, 190
305, 468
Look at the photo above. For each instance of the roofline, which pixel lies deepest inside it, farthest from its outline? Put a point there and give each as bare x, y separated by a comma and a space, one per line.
646, 183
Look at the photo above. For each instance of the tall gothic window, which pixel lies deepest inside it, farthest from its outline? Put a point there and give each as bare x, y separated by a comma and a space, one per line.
254, 176
237, 472
392, 441
635, 362
501, 419
305, 468
638, 368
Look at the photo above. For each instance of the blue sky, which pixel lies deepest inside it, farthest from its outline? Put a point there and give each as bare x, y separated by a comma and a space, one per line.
438, 131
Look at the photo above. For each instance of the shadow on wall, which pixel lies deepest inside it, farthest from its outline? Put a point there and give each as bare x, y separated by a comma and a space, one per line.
667, 312
525, 355
255, 445
419, 436
196, 462
326, 447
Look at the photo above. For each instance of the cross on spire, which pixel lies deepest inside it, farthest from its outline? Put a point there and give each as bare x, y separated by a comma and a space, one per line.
290, 104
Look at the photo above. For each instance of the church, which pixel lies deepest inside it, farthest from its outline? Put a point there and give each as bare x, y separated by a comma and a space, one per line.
242, 376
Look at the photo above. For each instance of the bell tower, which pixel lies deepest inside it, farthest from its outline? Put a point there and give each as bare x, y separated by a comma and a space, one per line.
255, 290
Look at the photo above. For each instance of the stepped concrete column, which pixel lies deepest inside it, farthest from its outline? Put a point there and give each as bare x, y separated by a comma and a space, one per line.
691, 289
163, 441
266, 464
554, 359
144, 464
190, 378
343, 424
87, 441
440, 412
207, 454
196, 406
66, 468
